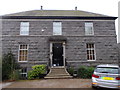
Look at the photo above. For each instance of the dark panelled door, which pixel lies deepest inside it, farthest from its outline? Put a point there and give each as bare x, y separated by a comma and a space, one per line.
57, 54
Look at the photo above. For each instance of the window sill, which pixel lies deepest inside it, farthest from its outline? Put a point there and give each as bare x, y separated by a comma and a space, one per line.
22, 61
91, 60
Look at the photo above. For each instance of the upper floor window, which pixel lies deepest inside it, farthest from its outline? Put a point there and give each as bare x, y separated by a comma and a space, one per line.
57, 28
90, 51
23, 53
89, 29
24, 28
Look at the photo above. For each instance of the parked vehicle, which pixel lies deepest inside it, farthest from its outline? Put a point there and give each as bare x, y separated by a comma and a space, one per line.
106, 76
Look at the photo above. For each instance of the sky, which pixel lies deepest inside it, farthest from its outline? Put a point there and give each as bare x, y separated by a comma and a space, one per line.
106, 7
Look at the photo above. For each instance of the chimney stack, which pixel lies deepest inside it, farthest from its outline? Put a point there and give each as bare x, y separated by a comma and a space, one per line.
75, 8
41, 7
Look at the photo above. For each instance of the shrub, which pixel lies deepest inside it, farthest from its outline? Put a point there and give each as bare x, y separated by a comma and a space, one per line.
85, 72
15, 75
9, 65
37, 72
71, 70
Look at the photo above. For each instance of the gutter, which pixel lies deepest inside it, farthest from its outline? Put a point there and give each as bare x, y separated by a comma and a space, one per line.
58, 17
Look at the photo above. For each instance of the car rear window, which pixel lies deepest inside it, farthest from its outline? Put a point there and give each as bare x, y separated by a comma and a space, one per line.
107, 70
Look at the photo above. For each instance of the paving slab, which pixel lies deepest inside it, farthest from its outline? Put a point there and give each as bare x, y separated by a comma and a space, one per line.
51, 83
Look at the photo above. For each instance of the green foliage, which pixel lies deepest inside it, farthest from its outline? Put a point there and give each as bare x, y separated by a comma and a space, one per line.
37, 72
31, 75
15, 75
85, 72
71, 70
9, 65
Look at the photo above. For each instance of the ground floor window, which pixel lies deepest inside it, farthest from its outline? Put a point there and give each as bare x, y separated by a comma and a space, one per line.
90, 51
24, 73
23, 53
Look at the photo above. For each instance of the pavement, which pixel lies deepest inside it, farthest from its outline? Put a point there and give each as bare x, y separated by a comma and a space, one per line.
49, 83
4, 84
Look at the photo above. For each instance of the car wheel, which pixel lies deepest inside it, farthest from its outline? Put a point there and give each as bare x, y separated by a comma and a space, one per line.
94, 87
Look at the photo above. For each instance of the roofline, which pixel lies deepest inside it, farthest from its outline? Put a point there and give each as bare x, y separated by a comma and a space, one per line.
108, 65
58, 17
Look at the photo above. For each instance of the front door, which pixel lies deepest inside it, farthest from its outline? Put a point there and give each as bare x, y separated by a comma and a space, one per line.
57, 54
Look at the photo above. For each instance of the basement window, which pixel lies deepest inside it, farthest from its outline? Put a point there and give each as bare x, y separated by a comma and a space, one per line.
24, 73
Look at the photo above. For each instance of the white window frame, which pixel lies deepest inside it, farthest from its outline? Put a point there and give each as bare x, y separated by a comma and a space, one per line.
22, 49
24, 72
24, 28
91, 54
55, 28
87, 30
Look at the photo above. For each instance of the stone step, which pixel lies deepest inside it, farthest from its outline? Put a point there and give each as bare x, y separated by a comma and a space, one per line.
58, 72
59, 77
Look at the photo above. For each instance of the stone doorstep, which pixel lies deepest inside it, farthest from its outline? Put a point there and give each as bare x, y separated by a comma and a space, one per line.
59, 77
58, 72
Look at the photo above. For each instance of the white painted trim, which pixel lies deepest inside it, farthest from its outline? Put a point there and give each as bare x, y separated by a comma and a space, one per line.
22, 61
91, 60
92, 49
54, 27
81, 61
51, 53
23, 49
25, 74
22, 30
64, 54
89, 24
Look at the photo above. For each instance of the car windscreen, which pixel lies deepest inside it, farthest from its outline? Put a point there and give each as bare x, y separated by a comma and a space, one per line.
110, 70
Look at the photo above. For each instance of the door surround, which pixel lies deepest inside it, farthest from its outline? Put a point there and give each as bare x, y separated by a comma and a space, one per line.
51, 53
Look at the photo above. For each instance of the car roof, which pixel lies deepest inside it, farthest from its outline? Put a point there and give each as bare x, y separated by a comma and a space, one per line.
108, 65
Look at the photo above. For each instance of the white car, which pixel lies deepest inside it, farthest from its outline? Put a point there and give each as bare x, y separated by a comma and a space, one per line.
106, 76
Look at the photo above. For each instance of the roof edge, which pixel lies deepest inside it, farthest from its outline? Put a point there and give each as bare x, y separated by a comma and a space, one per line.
58, 17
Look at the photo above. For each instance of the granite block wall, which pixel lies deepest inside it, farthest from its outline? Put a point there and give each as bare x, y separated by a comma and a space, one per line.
104, 39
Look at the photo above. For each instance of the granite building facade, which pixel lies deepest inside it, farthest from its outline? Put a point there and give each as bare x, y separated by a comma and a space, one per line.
60, 38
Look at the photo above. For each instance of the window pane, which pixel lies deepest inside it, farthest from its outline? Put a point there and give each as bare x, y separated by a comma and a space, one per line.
90, 52
24, 24
24, 70
91, 57
24, 28
19, 58
25, 58
92, 45
87, 51
23, 52
88, 57
21, 46
89, 29
57, 28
